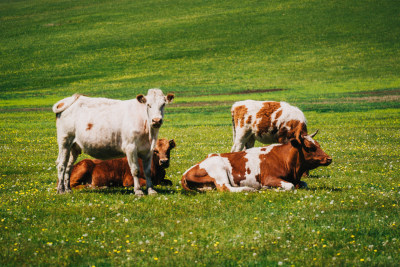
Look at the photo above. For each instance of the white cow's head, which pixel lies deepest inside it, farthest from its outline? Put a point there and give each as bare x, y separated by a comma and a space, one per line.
155, 102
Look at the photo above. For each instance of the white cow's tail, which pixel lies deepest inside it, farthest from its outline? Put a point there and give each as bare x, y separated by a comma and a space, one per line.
65, 103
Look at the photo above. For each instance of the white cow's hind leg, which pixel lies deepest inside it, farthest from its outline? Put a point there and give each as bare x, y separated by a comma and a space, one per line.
62, 162
131, 154
74, 153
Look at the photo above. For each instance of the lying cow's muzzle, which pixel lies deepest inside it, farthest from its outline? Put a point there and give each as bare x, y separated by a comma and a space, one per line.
156, 123
164, 163
327, 161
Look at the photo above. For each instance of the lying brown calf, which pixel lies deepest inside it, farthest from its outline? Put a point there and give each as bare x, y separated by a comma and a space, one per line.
278, 165
116, 172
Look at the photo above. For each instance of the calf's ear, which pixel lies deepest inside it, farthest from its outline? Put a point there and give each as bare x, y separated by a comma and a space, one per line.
169, 98
141, 98
295, 142
172, 143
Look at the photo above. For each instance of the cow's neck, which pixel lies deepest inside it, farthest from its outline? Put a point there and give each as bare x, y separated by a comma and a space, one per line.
295, 163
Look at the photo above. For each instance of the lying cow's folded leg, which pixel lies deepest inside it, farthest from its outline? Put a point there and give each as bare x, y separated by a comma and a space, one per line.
277, 182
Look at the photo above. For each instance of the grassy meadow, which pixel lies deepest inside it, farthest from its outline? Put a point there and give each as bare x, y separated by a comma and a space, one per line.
338, 61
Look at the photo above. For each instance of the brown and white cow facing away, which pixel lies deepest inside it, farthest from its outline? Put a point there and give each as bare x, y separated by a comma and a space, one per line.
106, 128
265, 121
116, 172
278, 165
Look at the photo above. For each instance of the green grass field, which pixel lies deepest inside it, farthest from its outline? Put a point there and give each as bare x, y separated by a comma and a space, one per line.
338, 61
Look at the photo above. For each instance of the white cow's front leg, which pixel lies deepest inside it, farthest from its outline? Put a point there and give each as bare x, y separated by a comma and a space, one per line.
131, 154
147, 174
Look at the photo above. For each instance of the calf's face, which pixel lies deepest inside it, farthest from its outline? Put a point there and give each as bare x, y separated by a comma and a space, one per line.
314, 156
162, 152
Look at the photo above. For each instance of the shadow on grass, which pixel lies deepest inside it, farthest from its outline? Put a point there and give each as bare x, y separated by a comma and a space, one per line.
124, 191
326, 188
313, 176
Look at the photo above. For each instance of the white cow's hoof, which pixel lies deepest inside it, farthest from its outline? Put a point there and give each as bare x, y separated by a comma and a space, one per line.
68, 191
60, 191
151, 191
139, 193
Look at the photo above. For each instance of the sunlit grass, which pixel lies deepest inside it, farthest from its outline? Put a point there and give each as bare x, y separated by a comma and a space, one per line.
349, 214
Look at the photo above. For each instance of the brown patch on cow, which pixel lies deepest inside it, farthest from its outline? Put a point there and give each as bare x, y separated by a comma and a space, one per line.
89, 126
238, 163
248, 121
263, 149
212, 155
248, 171
264, 114
238, 115
60, 105
278, 114
258, 178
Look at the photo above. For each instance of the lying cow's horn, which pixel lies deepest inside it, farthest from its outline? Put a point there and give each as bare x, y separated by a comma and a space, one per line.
314, 134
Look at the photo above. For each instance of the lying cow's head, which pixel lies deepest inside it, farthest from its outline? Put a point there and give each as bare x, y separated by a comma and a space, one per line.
162, 152
312, 153
155, 101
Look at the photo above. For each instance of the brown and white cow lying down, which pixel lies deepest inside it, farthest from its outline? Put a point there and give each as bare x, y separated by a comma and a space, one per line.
265, 121
278, 165
116, 172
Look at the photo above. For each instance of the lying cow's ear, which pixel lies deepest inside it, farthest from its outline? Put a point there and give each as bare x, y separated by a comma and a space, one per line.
169, 98
295, 142
141, 98
172, 143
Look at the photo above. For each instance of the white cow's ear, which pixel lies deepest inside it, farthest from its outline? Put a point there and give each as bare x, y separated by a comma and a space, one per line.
141, 98
169, 98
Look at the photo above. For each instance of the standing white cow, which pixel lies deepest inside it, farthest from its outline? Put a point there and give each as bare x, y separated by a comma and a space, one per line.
107, 128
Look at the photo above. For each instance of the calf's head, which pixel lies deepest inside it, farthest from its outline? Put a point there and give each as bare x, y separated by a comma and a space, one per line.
162, 152
313, 155
155, 102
